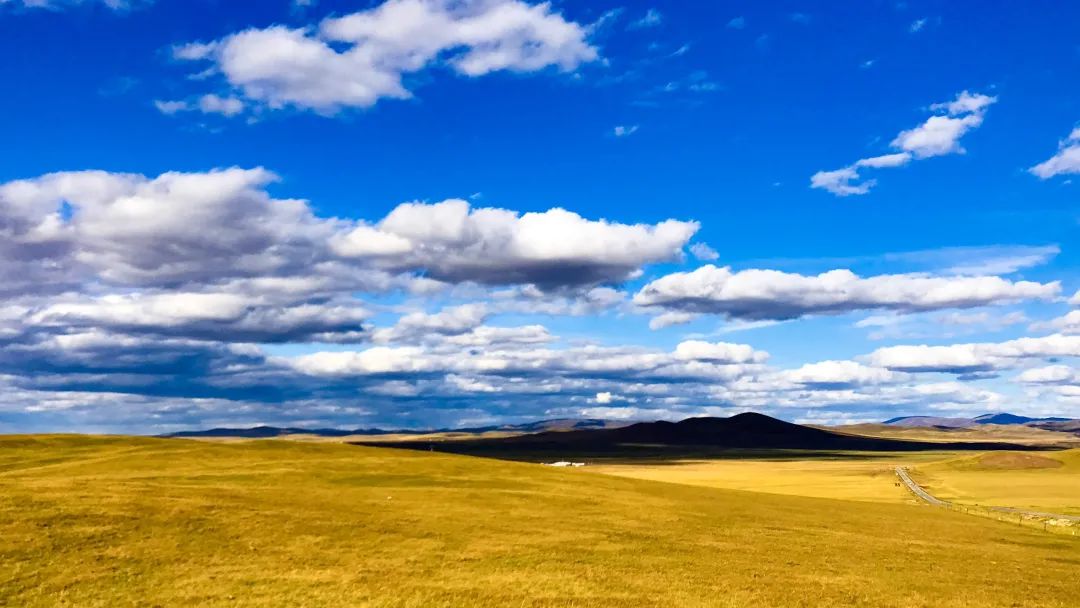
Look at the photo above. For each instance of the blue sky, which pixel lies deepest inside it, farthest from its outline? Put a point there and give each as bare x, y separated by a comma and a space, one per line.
201, 208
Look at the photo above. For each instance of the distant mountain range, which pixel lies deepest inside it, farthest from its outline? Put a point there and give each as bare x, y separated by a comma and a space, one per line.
269, 432
750, 430
1001, 418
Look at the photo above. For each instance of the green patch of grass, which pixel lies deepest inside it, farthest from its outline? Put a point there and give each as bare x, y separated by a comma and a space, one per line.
149, 522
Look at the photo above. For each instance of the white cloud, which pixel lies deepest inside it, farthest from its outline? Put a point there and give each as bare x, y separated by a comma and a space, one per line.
1068, 324
669, 319
171, 107
840, 374
203, 228
770, 294
937, 136
917, 25
116, 5
839, 182
455, 242
226, 106
703, 252
885, 161
1052, 374
651, 18
737, 23
625, 130
974, 357
130, 229
1065, 162
359, 58
718, 352
965, 103
207, 104
415, 326
209, 315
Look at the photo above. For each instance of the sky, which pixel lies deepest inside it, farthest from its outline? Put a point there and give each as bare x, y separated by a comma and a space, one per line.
435, 213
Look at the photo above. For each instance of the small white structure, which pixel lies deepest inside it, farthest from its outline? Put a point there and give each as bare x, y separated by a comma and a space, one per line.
564, 463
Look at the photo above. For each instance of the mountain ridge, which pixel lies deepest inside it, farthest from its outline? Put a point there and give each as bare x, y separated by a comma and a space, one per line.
269, 432
742, 431
1003, 418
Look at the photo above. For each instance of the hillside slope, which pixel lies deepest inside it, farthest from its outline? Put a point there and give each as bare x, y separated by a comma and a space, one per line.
743, 431
125, 522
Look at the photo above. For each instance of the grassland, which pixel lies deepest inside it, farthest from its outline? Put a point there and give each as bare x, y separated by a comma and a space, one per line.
1045, 481
1013, 433
150, 522
857, 476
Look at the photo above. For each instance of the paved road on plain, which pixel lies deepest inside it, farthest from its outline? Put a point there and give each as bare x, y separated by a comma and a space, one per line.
918, 490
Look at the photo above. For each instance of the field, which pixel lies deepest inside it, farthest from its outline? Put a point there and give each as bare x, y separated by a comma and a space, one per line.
1013, 433
848, 476
152, 522
1047, 481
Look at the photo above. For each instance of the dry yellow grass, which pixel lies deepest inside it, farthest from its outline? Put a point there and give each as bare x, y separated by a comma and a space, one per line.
112, 522
1017, 434
1009, 479
853, 476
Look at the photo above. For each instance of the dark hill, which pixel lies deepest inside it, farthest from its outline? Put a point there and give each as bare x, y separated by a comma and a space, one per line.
744, 431
1006, 418
1000, 418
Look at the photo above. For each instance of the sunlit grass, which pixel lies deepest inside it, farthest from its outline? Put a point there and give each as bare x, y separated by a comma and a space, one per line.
1022, 480
147, 522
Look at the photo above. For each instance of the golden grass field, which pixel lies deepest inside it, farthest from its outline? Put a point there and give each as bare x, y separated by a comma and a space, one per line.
1011, 433
1043, 481
116, 522
862, 476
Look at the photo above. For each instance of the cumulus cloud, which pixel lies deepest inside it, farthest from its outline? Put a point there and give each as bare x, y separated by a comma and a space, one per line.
1051, 374
175, 228
451, 321
357, 59
841, 182
669, 319
1067, 324
974, 357
179, 229
771, 294
210, 316
625, 130
703, 252
453, 242
1065, 162
840, 374
719, 352
690, 360
937, 136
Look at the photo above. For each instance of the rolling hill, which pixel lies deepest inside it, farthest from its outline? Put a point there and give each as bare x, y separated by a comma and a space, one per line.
1002, 418
267, 432
743, 431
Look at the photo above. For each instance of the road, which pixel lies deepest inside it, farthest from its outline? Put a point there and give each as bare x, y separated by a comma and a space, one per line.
917, 490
